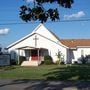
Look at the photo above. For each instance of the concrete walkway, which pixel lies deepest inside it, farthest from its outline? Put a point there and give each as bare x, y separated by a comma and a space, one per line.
25, 84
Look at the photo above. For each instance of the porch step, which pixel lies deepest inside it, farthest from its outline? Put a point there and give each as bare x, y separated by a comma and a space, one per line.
30, 63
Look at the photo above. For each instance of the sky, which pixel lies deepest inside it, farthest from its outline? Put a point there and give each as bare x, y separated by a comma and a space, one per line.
12, 28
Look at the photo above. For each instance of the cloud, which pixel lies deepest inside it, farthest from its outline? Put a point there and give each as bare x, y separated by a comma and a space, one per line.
75, 15
28, 1
4, 31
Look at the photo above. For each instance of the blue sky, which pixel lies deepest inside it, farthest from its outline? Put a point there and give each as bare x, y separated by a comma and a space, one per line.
9, 13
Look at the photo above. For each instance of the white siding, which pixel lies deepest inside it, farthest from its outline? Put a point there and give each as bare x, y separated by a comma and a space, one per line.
74, 56
86, 51
45, 32
46, 39
42, 42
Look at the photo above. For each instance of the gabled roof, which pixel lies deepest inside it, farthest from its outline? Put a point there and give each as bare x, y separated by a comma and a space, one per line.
41, 32
27, 36
74, 43
71, 43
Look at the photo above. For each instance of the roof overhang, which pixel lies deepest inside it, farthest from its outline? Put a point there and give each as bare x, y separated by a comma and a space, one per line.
29, 48
73, 48
83, 46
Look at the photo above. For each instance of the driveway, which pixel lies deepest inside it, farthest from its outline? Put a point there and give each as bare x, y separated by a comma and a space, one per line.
25, 84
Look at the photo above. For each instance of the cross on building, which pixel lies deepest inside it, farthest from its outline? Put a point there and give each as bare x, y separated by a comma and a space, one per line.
35, 40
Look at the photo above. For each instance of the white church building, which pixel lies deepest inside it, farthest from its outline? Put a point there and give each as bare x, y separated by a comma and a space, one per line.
42, 42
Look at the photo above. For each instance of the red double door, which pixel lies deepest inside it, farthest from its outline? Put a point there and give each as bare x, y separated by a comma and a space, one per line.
34, 55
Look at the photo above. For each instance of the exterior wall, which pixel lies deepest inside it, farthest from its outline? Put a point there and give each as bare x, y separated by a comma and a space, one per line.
52, 47
45, 32
15, 53
48, 41
86, 51
69, 56
72, 55
42, 42
45, 39
27, 42
75, 54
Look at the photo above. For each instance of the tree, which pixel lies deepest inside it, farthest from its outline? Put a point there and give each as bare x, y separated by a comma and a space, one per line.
38, 11
60, 57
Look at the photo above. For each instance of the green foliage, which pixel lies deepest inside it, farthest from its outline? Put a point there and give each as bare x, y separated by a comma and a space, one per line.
21, 59
87, 58
59, 63
38, 11
48, 60
75, 62
83, 59
63, 3
60, 58
74, 72
46, 72
62, 62
16, 62
13, 62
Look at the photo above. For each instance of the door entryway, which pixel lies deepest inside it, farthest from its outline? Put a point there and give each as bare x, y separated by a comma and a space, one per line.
34, 55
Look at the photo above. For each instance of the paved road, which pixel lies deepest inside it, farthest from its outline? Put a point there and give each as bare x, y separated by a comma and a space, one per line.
25, 84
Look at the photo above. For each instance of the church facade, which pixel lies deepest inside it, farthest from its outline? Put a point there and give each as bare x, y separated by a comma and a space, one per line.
42, 42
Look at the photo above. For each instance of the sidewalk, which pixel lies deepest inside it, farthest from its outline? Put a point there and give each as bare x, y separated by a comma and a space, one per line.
25, 84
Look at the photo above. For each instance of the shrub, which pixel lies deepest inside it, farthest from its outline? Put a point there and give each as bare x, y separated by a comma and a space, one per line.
62, 62
83, 59
75, 62
58, 62
13, 62
60, 57
21, 59
48, 60
87, 58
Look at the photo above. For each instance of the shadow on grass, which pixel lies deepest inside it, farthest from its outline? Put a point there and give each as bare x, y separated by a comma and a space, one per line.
79, 73
74, 72
48, 85
57, 85
12, 82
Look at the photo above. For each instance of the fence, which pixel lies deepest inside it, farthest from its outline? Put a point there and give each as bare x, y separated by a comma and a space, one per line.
4, 59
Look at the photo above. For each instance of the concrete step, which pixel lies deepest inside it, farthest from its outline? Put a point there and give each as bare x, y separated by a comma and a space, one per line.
30, 63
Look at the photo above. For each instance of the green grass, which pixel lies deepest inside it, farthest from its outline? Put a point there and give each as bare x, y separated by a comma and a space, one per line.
46, 72
19, 72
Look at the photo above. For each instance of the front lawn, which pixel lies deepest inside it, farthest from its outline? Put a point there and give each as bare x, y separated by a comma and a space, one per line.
46, 72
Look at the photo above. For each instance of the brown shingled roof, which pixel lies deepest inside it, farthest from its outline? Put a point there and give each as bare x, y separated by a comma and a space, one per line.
73, 43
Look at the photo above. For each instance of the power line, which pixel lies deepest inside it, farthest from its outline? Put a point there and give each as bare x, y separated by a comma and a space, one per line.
17, 23
18, 20
75, 20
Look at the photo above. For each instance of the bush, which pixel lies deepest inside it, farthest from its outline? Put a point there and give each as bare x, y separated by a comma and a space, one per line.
13, 62
75, 62
48, 60
62, 62
59, 63
87, 58
83, 59
21, 59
